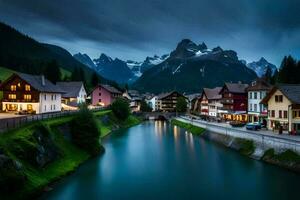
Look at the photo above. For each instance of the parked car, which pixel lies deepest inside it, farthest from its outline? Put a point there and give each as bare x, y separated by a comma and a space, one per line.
253, 126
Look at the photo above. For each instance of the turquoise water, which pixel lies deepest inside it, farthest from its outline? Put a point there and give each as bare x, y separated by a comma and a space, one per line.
156, 160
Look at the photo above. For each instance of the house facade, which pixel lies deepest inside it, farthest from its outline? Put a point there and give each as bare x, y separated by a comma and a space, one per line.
134, 98
152, 102
258, 90
30, 94
166, 102
104, 95
283, 103
75, 93
234, 100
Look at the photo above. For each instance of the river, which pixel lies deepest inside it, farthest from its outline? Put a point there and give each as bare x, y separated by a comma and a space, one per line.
156, 160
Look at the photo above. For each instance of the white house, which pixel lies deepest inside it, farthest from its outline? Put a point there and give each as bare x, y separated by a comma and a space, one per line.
75, 93
30, 94
152, 102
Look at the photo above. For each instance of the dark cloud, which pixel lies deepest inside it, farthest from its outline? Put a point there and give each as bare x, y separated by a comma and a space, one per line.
134, 28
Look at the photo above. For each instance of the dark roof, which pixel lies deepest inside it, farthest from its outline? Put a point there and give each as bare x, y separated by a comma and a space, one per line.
111, 89
72, 88
212, 93
236, 87
259, 84
164, 95
36, 82
291, 91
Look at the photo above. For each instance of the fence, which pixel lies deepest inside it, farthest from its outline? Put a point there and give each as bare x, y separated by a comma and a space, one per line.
18, 121
267, 141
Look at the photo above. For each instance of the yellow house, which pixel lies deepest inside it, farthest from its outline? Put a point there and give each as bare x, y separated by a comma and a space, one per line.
283, 103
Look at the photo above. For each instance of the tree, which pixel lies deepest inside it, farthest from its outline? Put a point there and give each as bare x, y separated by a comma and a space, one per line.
288, 71
120, 107
85, 133
145, 107
95, 79
52, 71
181, 105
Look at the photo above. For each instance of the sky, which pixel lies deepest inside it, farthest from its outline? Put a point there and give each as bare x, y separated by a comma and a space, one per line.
134, 29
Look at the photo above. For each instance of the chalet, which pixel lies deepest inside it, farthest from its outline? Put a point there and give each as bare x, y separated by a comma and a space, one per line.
30, 94
234, 100
283, 103
258, 90
104, 95
211, 102
166, 102
151, 101
134, 98
75, 93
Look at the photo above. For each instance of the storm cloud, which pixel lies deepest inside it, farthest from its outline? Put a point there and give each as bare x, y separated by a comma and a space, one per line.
133, 29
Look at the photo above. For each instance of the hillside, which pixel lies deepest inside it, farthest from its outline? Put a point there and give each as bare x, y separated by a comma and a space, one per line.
21, 53
191, 67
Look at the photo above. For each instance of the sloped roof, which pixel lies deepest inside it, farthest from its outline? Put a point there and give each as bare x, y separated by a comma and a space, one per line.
164, 95
193, 96
259, 84
36, 82
72, 88
291, 91
236, 87
111, 89
212, 93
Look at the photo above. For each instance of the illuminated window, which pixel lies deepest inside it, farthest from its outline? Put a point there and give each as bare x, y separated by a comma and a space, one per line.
29, 107
27, 97
13, 87
12, 96
27, 87
19, 84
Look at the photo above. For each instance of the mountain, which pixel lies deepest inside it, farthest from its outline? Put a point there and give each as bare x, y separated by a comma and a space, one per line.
260, 67
114, 69
85, 59
191, 67
21, 53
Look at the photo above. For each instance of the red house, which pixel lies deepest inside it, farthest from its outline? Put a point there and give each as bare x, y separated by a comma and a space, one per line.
234, 100
104, 95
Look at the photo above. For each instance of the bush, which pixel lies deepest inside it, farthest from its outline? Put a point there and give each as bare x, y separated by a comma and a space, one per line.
247, 146
181, 105
120, 108
85, 133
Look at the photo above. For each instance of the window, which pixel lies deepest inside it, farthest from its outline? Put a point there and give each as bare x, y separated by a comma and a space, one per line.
250, 95
55, 97
100, 94
53, 107
13, 87
45, 107
50, 107
12, 96
255, 107
27, 87
278, 98
250, 107
27, 97
272, 113
99, 100
280, 113
255, 95
285, 114
52, 98
45, 97
29, 107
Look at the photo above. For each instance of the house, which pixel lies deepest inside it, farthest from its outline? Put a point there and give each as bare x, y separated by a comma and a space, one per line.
104, 95
258, 90
152, 102
134, 98
234, 100
30, 94
192, 98
166, 102
75, 93
211, 102
284, 108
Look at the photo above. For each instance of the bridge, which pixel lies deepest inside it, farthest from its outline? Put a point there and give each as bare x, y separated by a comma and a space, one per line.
158, 115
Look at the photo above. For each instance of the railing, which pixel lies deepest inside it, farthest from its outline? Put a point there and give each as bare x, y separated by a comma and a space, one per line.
267, 141
18, 121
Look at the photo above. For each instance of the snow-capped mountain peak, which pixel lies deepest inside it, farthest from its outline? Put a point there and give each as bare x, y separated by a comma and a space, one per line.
260, 67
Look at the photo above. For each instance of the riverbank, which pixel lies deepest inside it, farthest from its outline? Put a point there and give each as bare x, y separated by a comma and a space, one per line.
252, 148
36, 155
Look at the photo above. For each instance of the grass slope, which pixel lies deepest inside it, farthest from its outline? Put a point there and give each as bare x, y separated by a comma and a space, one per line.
191, 128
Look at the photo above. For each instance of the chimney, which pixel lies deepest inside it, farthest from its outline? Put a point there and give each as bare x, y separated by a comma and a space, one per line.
43, 80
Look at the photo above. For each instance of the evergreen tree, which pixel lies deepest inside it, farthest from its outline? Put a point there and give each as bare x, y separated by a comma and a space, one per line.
288, 71
52, 71
95, 79
75, 75
181, 105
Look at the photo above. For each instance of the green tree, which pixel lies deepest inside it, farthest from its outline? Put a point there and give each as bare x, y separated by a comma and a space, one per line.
288, 70
85, 133
52, 71
95, 79
181, 105
120, 107
145, 107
